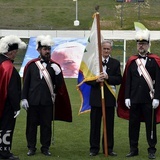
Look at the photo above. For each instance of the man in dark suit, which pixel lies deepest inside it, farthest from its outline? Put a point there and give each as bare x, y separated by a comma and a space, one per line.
142, 94
39, 93
111, 76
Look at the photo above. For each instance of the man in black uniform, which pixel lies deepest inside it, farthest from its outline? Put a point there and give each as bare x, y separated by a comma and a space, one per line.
10, 93
142, 93
38, 95
111, 76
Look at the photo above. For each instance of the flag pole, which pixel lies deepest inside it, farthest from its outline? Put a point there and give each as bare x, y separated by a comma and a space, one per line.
102, 85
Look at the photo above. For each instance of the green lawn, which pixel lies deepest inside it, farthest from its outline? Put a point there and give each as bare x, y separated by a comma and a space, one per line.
72, 139
60, 14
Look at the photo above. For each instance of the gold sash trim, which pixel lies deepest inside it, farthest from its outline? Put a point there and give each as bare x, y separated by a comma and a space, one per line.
110, 89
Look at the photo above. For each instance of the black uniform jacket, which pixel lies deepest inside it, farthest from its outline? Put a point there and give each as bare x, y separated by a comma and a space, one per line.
153, 61
114, 73
134, 89
10, 85
36, 91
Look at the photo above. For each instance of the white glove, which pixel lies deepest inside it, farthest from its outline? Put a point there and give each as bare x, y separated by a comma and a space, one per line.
155, 103
16, 113
128, 103
24, 104
56, 68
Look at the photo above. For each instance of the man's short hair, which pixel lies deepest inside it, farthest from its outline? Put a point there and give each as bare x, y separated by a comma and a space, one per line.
107, 41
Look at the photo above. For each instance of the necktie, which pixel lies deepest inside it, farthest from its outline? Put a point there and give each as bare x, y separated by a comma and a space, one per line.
104, 63
42, 61
142, 57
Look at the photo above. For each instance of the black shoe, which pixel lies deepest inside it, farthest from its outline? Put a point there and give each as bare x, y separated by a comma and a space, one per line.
151, 156
13, 158
1, 157
131, 154
31, 152
92, 154
112, 153
46, 153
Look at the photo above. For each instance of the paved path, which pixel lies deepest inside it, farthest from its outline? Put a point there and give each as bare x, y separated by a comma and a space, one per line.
108, 34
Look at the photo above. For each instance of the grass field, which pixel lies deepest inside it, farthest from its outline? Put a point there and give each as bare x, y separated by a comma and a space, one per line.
60, 15
72, 139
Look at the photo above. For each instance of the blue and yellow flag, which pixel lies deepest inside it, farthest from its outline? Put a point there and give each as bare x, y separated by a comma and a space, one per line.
89, 67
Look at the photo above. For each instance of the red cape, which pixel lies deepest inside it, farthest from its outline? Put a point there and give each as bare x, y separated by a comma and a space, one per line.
6, 68
122, 110
63, 109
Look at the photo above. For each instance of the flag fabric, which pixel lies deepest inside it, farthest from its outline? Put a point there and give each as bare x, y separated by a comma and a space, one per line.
139, 26
89, 67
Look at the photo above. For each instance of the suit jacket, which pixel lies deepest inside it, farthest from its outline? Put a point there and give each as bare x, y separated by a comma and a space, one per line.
36, 90
122, 110
136, 87
10, 85
114, 73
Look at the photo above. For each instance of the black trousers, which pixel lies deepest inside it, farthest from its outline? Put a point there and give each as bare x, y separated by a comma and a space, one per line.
95, 128
137, 111
7, 125
39, 116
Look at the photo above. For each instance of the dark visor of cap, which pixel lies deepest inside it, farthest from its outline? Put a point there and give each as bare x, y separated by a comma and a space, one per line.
12, 47
143, 40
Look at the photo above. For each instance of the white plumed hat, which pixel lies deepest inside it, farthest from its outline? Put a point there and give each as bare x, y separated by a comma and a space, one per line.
12, 42
44, 41
142, 35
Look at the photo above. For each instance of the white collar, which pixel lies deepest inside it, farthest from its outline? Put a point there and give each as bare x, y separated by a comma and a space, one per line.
107, 59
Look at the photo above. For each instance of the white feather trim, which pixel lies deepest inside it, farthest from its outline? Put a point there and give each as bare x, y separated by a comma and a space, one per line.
142, 35
44, 40
9, 40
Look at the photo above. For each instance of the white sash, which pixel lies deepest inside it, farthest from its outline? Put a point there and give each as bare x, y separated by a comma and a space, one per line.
47, 78
146, 76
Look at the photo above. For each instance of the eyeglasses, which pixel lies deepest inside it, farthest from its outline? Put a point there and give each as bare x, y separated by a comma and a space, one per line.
142, 43
46, 48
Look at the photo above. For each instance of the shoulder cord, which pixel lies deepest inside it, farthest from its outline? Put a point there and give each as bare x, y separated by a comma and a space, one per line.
47, 78
146, 76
